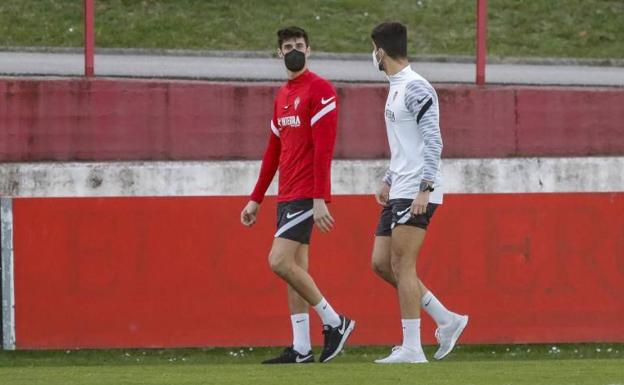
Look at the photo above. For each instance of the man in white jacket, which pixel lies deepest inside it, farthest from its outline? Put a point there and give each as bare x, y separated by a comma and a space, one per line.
410, 192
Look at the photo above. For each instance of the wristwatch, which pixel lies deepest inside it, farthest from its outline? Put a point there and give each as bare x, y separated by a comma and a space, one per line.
425, 186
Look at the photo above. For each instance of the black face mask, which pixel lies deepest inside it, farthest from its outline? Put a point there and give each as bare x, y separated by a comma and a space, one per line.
295, 60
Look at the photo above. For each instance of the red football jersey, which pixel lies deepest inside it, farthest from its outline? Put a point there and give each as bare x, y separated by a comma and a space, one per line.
302, 138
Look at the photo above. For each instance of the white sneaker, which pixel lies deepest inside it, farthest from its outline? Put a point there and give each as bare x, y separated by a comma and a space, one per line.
447, 336
402, 355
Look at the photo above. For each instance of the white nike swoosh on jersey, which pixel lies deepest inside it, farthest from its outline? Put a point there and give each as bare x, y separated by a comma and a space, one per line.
325, 101
299, 360
403, 212
292, 215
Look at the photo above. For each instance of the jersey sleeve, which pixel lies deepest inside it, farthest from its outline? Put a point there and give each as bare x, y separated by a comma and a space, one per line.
270, 161
387, 177
421, 100
323, 120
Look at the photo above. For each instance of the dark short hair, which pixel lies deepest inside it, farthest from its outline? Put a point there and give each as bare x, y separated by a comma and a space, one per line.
392, 37
291, 33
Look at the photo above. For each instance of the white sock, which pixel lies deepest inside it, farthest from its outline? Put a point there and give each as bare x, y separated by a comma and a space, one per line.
411, 334
327, 313
301, 332
441, 315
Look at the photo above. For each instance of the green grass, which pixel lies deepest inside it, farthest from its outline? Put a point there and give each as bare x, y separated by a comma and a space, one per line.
483, 365
565, 372
543, 28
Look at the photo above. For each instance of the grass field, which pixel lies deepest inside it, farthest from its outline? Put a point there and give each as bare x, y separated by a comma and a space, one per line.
518, 364
545, 28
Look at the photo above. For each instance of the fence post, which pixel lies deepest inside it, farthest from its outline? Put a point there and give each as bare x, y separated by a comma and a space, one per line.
481, 40
89, 37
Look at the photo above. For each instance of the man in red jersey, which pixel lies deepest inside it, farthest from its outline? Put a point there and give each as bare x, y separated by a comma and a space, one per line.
301, 144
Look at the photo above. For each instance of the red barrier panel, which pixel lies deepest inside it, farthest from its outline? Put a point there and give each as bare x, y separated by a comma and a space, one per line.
113, 119
570, 123
127, 120
483, 122
148, 272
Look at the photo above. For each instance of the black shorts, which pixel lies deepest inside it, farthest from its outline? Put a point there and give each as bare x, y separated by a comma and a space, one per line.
396, 212
295, 220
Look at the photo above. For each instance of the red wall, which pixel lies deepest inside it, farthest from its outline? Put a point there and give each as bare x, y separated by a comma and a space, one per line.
129, 272
117, 119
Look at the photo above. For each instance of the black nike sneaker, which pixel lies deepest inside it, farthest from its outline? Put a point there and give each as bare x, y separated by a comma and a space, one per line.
335, 338
291, 356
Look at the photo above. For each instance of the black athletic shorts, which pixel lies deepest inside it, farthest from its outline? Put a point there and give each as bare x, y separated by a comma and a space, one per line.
397, 212
295, 220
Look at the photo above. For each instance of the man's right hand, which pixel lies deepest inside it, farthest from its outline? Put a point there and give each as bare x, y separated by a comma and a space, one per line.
322, 217
382, 194
249, 213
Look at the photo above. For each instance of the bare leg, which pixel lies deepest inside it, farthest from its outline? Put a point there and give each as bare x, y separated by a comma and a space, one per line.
405, 245
396, 258
380, 262
299, 319
296, 303
282, 260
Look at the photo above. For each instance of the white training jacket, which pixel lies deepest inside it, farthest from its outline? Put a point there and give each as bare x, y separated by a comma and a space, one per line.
413, 127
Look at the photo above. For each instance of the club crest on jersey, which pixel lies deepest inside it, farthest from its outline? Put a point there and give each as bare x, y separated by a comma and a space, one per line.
390, 115
297, 101
292, 121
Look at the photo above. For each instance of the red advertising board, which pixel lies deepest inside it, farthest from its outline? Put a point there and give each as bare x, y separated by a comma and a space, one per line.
173, 272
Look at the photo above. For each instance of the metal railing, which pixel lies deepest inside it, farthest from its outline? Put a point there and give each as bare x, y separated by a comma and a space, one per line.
481, 38
89, 37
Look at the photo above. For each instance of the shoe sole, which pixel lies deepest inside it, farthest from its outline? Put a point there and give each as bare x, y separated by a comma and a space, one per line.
288, 363
310, 360
345, 336
456, 335
402, 362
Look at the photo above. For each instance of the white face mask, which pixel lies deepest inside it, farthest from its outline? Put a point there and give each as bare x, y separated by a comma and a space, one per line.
377, 63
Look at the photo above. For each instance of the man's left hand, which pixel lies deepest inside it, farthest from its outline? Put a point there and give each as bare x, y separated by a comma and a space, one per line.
419, 205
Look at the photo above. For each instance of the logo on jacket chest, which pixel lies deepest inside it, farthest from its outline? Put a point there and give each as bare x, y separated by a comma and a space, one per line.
389, 103
294, 104
292, 121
